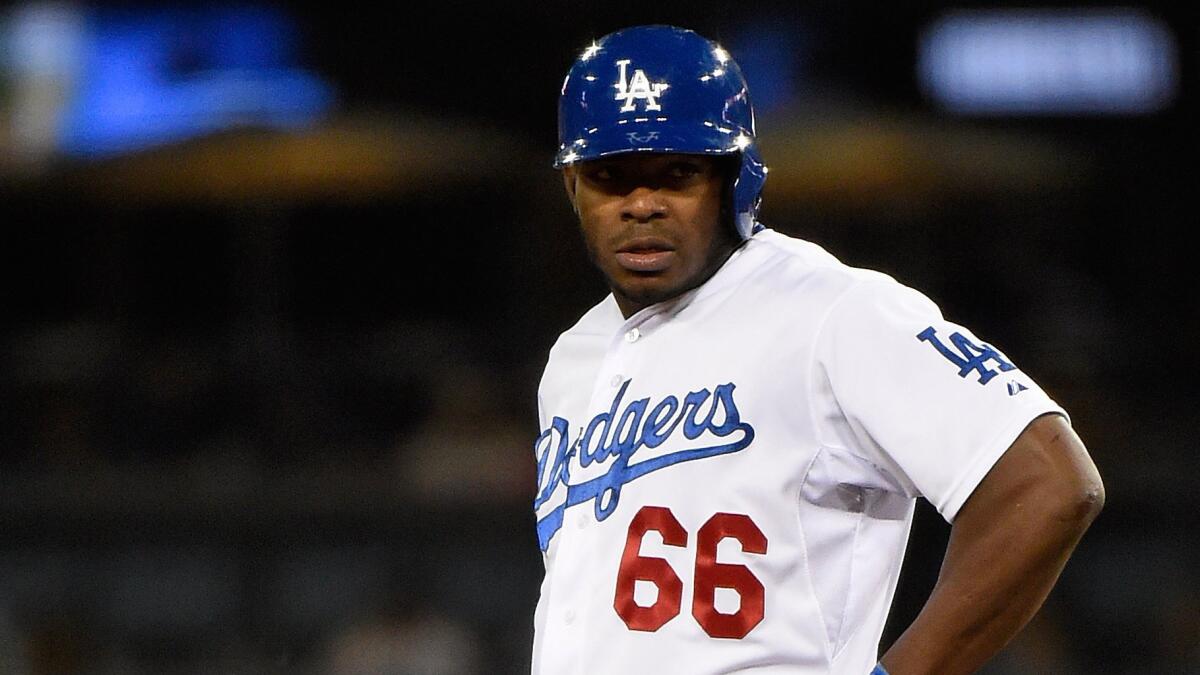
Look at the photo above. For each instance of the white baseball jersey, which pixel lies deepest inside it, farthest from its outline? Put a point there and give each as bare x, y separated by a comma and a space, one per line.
726, 480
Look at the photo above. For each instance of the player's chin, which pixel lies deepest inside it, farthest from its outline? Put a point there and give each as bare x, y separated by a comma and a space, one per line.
648, 288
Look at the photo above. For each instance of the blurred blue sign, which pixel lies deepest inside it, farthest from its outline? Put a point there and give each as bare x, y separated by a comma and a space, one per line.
1049, 62
132, 78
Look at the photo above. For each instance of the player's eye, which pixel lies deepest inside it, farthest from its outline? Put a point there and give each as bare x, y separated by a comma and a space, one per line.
602, 173
684, 169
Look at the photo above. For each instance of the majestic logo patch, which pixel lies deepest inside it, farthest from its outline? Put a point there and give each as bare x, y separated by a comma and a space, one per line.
1015, 388
639, 88
968, 356
612, 438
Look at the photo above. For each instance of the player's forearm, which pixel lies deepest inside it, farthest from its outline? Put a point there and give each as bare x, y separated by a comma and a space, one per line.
978, 606
1007, 549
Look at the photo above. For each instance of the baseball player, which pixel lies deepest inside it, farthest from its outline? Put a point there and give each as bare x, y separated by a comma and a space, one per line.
733, 440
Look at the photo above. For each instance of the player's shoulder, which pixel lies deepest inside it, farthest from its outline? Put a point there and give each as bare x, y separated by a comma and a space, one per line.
589, 333
784, 260
598, 321
788, 266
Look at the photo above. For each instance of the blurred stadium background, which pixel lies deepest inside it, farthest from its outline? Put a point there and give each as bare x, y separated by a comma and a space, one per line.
278, 282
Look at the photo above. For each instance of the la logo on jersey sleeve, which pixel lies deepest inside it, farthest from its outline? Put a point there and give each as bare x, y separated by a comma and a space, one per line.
972, 358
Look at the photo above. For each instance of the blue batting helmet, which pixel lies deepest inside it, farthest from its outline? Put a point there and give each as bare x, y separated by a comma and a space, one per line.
662, 89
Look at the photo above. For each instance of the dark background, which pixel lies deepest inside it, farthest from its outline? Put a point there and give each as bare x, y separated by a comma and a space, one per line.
267, 395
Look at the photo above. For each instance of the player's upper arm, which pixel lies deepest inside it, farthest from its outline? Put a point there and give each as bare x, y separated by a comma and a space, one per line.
1047, 465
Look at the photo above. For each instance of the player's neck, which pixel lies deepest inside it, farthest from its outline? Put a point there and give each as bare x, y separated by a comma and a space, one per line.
630, 306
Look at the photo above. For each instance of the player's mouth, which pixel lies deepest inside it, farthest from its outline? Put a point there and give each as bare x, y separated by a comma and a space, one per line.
646, 254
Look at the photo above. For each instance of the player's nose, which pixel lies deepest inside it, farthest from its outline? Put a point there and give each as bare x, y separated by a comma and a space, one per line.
643, 204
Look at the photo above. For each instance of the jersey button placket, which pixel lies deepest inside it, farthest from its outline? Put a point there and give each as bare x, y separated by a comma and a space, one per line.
614, 363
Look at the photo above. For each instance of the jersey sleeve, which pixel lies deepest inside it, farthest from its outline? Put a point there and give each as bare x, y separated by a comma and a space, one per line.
925, 400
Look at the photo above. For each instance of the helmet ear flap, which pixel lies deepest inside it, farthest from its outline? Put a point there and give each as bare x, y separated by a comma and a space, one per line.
747, 192
729, 166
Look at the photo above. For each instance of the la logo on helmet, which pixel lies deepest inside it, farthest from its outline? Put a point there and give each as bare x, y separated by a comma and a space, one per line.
638, 88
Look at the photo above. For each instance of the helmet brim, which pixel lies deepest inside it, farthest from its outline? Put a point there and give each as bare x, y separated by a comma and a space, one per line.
647, 137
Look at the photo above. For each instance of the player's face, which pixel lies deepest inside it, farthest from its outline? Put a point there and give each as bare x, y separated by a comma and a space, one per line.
652, 223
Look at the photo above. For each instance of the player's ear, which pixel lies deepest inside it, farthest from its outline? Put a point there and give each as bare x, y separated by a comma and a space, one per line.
569, 182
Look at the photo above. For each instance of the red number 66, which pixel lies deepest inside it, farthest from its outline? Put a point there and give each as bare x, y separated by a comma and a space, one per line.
709, 574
